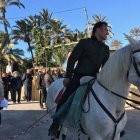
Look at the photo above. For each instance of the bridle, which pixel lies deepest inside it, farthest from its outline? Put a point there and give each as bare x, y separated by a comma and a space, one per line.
134, 62
116, 121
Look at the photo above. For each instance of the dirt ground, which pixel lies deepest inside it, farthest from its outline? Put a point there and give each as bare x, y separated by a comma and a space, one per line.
18, 117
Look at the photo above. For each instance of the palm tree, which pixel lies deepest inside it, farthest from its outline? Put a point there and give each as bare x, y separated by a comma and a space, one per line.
48, 33
59, 32
116, 43
80, 35
97, 18
22, 31
7, 52
135, 33
3, 6
60, 57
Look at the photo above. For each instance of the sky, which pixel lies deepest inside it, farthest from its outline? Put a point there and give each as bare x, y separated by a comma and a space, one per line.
123, 15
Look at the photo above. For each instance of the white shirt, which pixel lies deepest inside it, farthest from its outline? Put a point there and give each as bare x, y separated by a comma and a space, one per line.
8, 68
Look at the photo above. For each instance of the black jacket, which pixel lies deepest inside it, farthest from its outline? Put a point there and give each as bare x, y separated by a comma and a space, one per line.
5, 83
41, 81
91, 54
27, 79
16, 83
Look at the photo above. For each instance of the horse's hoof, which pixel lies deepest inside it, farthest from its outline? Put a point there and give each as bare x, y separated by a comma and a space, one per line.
63, 137
122, 133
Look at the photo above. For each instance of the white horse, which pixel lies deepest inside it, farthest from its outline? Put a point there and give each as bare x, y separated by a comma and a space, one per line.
122, 68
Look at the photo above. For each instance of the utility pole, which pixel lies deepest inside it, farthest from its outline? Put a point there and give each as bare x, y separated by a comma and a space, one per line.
87, 23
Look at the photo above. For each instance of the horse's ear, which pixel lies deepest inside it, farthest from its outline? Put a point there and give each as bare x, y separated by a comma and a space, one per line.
132, 41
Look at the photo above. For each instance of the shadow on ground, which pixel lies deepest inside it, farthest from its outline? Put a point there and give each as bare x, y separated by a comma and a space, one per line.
16, 121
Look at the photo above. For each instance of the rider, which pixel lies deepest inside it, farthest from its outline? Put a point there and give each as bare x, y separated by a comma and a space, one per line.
91, 54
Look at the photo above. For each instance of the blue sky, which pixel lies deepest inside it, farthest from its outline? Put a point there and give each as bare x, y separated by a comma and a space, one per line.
123, 15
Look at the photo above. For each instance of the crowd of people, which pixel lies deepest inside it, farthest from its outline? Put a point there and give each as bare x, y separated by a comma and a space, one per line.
45, 77
13, 82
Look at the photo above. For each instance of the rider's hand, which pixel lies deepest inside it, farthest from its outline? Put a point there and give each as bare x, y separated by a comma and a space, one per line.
66, 82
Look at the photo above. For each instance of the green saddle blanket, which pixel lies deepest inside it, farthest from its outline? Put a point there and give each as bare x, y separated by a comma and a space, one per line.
69, 114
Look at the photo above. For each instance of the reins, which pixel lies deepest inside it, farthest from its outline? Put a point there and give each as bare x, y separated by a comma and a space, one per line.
125, 98
116, 121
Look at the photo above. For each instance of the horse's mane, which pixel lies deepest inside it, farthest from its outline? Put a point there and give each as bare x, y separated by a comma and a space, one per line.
116, 66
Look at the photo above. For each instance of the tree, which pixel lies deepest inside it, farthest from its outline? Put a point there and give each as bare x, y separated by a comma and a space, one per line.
47, 33
60, 57
97, 18
22, 31
135, 33
7, 52
3, 6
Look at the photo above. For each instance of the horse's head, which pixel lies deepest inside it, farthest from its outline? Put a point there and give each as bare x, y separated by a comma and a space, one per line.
134, 69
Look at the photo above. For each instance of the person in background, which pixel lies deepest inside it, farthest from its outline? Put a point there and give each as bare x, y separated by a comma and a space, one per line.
57, 74
9, 77
42, 87
16, 84
9, 67
38, 74
1, 98
14, 65
48, 79
5, 85
27, 80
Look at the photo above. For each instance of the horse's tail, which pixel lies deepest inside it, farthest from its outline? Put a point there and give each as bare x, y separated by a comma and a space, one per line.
52, 93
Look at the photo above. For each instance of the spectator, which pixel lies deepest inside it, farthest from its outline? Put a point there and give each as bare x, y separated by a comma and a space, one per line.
14, 65
1, 98
9, 67
48, 78
16, 84
27, 80
5, 85
57, 74
42, 87
9, 76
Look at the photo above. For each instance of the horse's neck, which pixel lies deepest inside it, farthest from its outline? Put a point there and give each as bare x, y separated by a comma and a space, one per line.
114, 75
120, 85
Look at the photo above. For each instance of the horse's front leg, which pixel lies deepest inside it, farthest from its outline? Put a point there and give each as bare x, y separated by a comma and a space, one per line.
64, 133
117, 137
95, 138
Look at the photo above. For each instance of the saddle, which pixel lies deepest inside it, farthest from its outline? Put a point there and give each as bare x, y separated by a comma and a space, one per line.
83, 80
69, 114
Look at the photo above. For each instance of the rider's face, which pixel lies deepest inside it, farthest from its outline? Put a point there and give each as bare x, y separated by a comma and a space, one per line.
104, 32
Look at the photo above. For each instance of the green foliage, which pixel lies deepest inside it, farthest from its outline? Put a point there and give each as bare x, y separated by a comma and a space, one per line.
135, 33
7, 52
22, 31
60, 55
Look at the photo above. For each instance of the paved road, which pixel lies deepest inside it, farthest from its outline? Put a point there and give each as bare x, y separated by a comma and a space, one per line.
18, 117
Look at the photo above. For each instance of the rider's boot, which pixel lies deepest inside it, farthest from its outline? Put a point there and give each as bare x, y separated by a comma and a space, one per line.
54, 129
